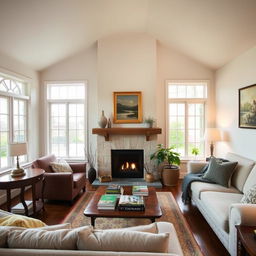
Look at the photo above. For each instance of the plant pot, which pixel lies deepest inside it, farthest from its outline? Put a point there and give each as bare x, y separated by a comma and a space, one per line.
91, 175
149, 177
170, 175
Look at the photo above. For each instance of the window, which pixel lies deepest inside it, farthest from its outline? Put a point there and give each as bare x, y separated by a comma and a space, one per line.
13, 117
66, 118
186, 116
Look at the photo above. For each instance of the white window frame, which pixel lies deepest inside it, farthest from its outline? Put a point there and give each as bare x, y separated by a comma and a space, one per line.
11, 96
48, 102
186, 101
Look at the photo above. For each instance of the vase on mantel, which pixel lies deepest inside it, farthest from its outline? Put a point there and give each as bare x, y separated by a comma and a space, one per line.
103, 120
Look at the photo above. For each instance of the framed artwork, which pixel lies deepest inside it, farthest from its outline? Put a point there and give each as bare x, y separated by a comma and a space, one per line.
127, 107
247, 107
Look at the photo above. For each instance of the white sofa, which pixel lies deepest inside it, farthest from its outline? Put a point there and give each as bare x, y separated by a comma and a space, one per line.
221, 206
174, 248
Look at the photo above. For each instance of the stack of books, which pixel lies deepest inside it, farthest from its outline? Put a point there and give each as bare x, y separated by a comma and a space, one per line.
140, 190
19, 208
107, 202
131, 203
114, 190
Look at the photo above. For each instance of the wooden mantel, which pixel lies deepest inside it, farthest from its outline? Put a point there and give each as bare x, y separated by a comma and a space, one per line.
126, 131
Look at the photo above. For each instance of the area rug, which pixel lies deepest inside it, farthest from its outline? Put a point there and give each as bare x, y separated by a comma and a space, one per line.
171, 213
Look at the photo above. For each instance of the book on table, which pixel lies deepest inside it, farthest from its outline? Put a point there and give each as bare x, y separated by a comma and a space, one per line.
107, 202
19, 208
131, 203
140, 190
114, 190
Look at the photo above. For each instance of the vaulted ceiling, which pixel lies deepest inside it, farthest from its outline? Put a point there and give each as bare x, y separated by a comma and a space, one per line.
43, 32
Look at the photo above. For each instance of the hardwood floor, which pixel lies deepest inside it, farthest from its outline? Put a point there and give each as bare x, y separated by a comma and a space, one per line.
209, 243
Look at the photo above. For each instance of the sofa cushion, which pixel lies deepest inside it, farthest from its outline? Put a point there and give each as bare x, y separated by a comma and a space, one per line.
21, 221
198, 187
250, 196
251, 180
220, 173
79, 179
4, 231
217, 206
63, 239
242, 170
125, 241
150, 228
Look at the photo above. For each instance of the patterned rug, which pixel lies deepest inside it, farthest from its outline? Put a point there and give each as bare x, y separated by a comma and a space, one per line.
171, 213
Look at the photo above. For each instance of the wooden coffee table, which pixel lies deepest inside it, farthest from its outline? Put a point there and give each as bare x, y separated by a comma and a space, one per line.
152, 207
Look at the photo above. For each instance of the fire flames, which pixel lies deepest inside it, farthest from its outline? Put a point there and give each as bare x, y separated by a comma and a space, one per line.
128, 166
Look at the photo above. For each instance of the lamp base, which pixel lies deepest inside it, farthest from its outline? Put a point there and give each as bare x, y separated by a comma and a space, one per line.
18, 172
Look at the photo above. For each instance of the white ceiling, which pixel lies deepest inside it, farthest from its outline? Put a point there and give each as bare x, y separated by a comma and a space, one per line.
42, 32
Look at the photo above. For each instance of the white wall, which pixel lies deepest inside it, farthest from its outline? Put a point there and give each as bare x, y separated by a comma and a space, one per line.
172, 65
237, 74
16, 68
82, 66
127, 62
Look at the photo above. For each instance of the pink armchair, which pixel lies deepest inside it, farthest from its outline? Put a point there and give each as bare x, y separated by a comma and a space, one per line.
61, 186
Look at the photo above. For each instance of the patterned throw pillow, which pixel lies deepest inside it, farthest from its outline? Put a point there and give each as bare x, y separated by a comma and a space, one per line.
250, 196
61, 166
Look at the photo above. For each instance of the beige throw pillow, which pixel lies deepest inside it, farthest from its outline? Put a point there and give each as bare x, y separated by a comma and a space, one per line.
61, 166
123, 241
4, 231
150, 228
63, 239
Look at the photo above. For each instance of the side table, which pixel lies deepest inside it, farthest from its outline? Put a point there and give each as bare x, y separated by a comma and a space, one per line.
246, 243
32, 176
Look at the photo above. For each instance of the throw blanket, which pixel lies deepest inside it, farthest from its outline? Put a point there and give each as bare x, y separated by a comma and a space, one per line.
188, 179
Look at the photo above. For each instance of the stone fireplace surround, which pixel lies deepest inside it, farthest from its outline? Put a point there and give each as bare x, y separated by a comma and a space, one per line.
122, 142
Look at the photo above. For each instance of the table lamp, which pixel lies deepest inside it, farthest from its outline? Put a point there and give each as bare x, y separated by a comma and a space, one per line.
18, 149
212, 135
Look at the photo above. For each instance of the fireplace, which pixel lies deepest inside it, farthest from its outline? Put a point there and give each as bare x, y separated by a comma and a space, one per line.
127, 163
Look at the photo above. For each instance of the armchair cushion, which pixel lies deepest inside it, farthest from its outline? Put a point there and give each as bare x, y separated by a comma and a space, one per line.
79, 179
250, 196
44, 163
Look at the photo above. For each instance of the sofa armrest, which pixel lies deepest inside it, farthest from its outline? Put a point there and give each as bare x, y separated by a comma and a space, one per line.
78, 167
63, 180
239, 214
174, 244
195, 167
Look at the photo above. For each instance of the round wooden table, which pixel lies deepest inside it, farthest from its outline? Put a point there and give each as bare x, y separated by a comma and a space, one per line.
31, 177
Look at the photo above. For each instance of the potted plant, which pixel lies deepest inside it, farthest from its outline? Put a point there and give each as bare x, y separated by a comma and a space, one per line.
149, 121
195, 151
168, 161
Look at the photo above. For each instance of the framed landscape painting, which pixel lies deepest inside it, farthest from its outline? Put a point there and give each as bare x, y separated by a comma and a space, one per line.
247, 107
127, 107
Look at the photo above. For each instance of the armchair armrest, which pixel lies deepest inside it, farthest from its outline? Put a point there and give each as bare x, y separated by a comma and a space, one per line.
239, 214
195, 167
78, 167
63, 180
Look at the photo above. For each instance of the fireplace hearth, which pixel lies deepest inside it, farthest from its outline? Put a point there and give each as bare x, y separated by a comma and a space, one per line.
127, 163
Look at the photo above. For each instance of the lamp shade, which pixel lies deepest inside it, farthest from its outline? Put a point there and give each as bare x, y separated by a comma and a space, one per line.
18, 149
212, 134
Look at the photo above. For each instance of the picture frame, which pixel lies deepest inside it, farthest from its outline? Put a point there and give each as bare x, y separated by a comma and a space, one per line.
247, 107
127, 107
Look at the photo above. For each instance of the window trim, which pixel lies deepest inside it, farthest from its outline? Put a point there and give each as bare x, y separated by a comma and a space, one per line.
11, 97
185, 100
47, 104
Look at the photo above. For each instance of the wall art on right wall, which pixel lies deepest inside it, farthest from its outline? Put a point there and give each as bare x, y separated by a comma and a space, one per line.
247, 107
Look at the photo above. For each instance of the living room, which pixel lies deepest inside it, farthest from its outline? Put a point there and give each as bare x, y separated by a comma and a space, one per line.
66, 65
